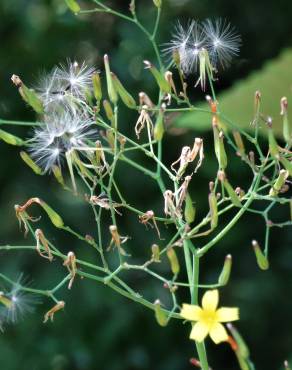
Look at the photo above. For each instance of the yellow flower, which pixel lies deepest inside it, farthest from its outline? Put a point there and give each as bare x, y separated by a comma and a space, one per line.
208, 318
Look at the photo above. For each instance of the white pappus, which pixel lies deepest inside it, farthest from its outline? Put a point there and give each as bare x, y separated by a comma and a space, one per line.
60, 133
66, 86
218, 37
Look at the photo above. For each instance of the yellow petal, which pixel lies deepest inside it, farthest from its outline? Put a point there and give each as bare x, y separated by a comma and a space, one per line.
191, 312
210, 300
199, 332
227, 314
218, 333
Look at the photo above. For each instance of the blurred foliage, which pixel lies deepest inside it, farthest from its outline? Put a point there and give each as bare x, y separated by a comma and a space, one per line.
100, 330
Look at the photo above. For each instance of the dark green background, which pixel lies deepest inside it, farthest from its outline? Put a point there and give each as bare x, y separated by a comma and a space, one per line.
98, 329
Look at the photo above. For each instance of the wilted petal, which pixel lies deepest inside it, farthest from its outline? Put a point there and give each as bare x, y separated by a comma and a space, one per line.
199, 332
210, 300
227, 314
218, 333
191, 312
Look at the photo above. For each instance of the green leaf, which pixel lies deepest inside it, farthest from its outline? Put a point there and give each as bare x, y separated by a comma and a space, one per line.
274, 81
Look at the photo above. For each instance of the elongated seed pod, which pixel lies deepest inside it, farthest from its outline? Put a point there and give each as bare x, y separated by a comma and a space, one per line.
226, 271
160, 315
262, 260
173, 260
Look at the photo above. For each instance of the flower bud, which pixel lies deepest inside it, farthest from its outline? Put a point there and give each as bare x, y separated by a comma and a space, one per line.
273, 145
10, 139
155, 253
213, 206
286, 365
225, 274
239, 143
30, 162
28, 95
219, 146
160, 315
280, 181
53, 215
110, 138
159, 124
231, 192
73, 6
112, 93
160, 79
126, 97
173, 260
108, 110
157, 3
286, 126
97, 91
262, 260
190, 210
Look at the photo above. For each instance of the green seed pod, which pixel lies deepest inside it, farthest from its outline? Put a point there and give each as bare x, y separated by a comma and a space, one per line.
96, 82
10, 139
173, 260
280, 181
219, 147
239, 143
108, 110
273, 145
73, 6
160, 79
157, 3
243, 350
232, 194
126, 97
159, 125
31, 163
160, 315
110, 138
58, 175
262, 260
213, 206
226, 271
190, 210
112, 93
287, 164
53, 215
286, 125
155, 253
28, 95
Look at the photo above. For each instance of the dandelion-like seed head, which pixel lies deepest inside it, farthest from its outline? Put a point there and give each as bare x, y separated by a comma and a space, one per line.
16, 303
218, 38
179, 42
66, 86
60, 134
223, 42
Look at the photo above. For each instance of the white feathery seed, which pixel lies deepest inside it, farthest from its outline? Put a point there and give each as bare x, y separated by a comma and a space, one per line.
179, 42
223, 42
218, 37
60, 133
66, 86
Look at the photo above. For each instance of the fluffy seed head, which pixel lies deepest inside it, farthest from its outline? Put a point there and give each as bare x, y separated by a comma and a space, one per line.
60, 134
219, 38
223, 42
16, 303
66, 86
